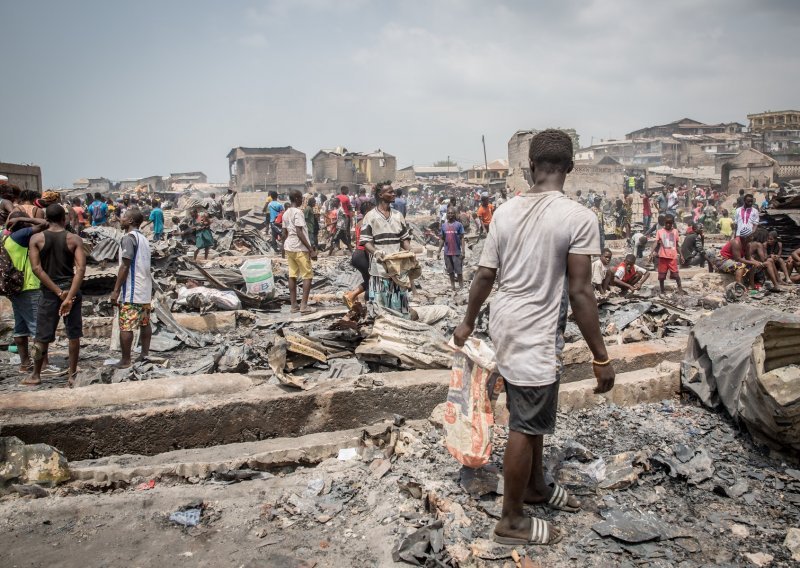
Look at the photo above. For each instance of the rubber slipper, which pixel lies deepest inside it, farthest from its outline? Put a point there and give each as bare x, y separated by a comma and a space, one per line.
559, 500
539, 535
308, 311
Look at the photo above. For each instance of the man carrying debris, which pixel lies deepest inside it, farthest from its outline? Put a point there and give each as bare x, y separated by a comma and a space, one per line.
384, 231
668, 252
452, 243
58, 260
298, 250
135, 282
628, 276
539, 248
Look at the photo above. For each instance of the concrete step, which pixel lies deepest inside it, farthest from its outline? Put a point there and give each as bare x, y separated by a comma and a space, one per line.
262, 455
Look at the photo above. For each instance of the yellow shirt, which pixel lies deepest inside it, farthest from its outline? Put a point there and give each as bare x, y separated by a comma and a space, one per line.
726, 226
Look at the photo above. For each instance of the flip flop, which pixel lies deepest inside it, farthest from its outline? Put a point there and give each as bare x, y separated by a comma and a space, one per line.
348, 301
540, 535
559, 500
308, 311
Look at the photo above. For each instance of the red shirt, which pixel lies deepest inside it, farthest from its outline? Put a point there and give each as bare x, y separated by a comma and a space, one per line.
359, 246
345, 201
646, 206
279, 218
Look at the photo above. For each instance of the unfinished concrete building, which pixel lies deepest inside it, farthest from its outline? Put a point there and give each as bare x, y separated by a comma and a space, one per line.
519, 174
185, 178
93, 185
23, 176
749, 169
685, 126
340, 166
266, 169
776, 133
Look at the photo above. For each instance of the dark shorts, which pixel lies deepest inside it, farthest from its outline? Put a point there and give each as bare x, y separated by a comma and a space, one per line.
47, 318
532, 410
453, 264
25, 305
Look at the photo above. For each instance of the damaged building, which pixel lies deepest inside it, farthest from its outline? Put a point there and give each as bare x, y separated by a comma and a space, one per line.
267, 169
22, 175
331, 168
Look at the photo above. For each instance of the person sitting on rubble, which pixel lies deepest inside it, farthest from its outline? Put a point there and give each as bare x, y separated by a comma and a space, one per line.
628, 276
758, 251
203, 238
668, 253
453, 244
360, 261
298, 250
774, 250
734, 258
540, 248
133, 288
602, 275
384, 231
693, 248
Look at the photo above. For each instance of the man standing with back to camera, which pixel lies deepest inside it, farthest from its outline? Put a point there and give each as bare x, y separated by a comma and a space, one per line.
539, 250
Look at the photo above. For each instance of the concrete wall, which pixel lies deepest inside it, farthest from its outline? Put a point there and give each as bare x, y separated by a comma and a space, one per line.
270, 172
377, 172
743, 178
598, 178
24, 177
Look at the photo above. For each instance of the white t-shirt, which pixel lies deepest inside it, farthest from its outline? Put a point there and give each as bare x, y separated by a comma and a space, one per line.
138, 286
635, 240
292, 219
745, 218
528, 244
598, 271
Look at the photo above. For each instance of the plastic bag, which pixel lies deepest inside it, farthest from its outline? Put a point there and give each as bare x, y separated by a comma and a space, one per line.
468, 416
201, 297
258, 276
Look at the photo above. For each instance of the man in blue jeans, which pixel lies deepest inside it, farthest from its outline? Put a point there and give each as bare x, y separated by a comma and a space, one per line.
26, 303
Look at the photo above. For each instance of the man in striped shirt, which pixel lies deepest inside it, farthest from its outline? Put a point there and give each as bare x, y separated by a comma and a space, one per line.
383, 232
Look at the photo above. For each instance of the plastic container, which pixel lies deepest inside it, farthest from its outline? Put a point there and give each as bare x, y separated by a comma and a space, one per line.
258, 277
12, 348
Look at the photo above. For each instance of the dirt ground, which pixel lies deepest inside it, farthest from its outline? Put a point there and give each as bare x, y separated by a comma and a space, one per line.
347, 513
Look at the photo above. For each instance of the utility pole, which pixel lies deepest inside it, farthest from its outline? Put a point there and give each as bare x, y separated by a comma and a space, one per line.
448, 165
485, 161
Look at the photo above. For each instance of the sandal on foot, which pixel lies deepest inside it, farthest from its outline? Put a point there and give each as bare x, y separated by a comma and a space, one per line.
540, 534
559, 500
307, 311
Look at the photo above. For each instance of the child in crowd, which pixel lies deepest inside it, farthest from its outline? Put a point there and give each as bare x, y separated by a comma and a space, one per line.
668, 253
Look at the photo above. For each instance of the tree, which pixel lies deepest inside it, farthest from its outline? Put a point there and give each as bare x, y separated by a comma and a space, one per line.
445, 164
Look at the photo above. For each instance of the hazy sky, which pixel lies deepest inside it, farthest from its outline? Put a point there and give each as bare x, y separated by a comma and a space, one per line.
130, 89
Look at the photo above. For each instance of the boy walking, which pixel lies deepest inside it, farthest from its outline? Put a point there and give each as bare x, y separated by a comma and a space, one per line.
452, 242
668, 253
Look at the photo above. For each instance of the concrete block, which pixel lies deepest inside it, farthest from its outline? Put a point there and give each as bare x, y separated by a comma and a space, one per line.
31, 463
636, 387
216, 322
627, 357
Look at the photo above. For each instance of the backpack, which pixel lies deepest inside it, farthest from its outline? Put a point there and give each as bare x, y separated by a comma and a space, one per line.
11, 279
97, 213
